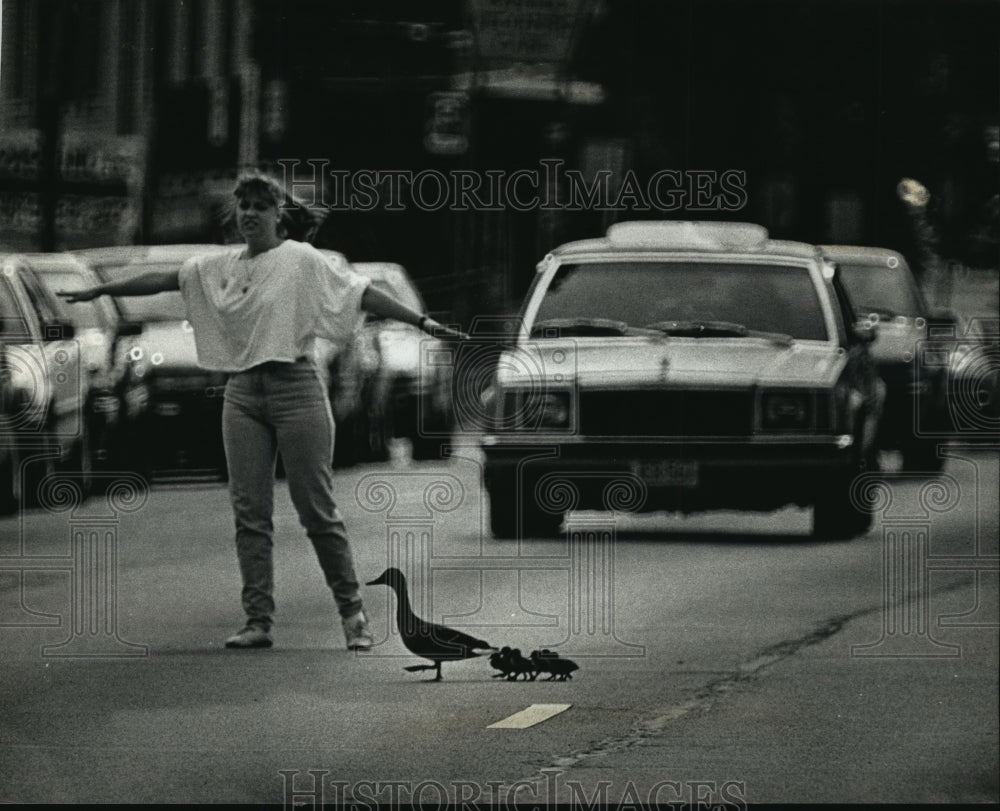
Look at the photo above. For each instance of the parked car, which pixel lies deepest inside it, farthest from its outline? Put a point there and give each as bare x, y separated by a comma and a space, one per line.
359, 407
418, 389
179, 432
683, 366
974, 380
10, 413
117, 395
45, 424
883, 290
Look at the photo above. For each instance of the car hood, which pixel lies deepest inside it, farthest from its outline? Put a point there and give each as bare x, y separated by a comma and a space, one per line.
682, 362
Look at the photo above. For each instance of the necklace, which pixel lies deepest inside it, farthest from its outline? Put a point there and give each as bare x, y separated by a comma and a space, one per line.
248, 264
240, 274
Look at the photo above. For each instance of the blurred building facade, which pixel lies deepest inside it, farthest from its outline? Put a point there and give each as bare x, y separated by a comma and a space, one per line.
114, 112
125, 121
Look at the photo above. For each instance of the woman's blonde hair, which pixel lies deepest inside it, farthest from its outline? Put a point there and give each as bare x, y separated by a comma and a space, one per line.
296, 220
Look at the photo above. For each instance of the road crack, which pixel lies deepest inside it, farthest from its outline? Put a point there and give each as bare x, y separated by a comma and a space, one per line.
707, 695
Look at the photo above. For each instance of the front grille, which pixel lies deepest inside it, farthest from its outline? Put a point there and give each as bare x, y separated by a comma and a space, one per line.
666, 413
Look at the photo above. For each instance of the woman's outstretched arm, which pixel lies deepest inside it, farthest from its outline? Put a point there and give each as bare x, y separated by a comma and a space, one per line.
147, 284
379, 303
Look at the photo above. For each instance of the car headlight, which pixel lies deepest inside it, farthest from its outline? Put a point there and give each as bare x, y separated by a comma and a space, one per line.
536, 411
786, 411
554, 410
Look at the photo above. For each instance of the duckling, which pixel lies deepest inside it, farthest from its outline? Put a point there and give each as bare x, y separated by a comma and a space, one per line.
519, 666
547, 661
501, 661
427, 639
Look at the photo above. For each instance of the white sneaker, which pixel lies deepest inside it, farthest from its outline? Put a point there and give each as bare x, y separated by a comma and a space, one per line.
356, 632
252, 636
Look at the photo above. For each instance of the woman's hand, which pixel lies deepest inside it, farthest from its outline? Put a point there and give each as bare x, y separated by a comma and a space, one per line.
73, 296
438, 330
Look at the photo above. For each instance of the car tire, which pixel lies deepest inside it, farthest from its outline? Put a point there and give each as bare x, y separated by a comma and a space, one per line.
428, 448
840, 514
80, 462
378, 438
438, 425
346, 442
503, 516
922, 457
10, 484
34, 471
140, 458
514, 513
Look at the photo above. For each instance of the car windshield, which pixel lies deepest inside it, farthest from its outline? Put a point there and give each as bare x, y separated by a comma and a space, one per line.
83, 314
167, 306
12, 322
684, 298
881, 289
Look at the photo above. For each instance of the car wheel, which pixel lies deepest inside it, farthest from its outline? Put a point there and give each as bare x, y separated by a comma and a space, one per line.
346, 442
10, 490
922, 457
35, 467
378, 437
80, 462
137, 452
840, 514
514, 512
427, 446
503, 516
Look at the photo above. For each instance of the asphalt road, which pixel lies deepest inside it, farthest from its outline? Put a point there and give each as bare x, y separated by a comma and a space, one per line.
726, 658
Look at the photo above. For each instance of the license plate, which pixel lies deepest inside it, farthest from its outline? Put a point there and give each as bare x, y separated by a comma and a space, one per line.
167, 409
667, 472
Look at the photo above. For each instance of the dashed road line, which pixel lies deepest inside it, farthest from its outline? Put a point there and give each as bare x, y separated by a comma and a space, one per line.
534, 714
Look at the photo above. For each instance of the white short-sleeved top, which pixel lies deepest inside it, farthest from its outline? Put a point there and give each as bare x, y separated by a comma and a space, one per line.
272, 307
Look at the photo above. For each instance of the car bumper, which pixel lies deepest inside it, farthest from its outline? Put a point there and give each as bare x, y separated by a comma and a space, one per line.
675, 473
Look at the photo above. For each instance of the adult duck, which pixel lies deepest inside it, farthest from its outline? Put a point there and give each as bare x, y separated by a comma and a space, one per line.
427, 639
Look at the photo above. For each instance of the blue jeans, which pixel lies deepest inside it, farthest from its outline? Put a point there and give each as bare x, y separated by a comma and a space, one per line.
283, 406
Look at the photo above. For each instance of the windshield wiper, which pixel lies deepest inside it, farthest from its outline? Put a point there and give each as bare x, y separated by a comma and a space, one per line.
699, 329
581, 326
718, 329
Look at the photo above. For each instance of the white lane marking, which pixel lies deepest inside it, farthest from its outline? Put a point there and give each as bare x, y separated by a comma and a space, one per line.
534, 714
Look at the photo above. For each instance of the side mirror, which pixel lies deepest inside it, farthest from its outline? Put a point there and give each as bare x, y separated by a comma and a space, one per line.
864, 332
